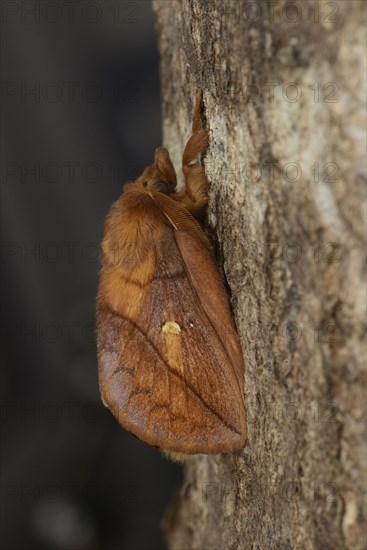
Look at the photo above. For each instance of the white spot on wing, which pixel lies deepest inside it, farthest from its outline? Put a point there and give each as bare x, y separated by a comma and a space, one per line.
171, 327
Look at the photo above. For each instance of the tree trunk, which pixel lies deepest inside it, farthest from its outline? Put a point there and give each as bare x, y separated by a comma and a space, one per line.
284, 92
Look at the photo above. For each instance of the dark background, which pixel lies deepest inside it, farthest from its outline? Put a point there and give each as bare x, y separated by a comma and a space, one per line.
80, 116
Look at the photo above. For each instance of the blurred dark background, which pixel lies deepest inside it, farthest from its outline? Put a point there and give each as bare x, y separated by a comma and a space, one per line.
80, 116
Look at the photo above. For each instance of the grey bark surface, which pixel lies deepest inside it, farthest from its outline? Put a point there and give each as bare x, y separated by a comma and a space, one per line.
284, 101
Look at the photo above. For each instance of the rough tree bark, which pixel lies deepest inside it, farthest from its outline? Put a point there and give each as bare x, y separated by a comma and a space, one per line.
284, 93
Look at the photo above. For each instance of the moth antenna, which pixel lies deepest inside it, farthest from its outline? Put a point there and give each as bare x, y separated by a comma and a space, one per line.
164, 164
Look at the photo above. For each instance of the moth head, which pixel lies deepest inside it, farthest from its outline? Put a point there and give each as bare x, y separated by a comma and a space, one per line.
161, 175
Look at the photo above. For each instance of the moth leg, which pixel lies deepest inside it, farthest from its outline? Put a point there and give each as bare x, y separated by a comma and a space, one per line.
195, 194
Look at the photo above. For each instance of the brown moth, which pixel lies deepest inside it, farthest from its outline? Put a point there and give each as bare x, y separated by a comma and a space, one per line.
170, 363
